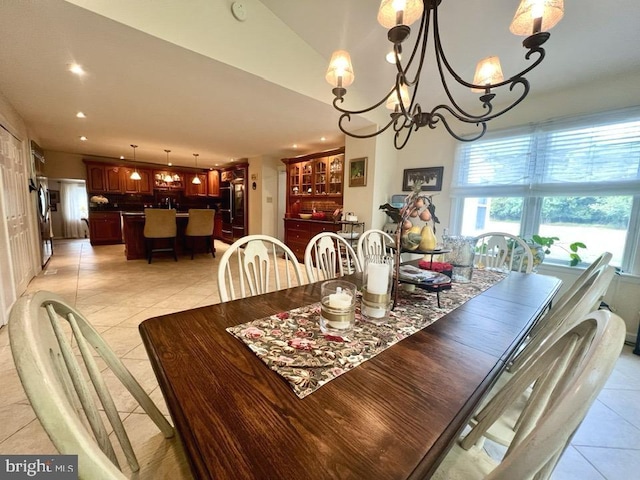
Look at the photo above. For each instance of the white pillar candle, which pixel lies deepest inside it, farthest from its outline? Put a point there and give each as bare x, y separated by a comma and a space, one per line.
340, 299
378, 278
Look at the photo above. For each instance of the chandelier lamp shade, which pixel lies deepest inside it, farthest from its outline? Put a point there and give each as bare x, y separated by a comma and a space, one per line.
135, 175
532, 19
196, 179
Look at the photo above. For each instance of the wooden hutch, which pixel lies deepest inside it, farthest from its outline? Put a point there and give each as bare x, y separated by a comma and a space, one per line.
315, 183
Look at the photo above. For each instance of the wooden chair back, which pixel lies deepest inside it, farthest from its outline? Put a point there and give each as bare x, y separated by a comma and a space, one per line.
574, 369
43, 329
503, 251
374, 242
253, 264
329, 256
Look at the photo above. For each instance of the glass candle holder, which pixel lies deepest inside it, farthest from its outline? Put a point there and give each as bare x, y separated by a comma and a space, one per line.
376, 292
337, 307
461, 256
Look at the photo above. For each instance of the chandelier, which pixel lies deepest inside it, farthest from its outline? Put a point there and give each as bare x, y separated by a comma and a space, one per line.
196, 179
168, 178
135, 175
532, 19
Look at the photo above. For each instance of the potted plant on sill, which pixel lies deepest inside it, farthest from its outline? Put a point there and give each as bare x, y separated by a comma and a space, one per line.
547, 242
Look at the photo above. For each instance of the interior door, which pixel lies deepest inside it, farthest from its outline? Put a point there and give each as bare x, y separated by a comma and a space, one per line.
16, 265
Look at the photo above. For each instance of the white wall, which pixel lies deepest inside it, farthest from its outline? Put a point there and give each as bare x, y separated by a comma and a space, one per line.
263, 201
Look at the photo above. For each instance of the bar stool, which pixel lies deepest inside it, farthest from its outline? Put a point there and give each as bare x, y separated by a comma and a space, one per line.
160, 224
200, 225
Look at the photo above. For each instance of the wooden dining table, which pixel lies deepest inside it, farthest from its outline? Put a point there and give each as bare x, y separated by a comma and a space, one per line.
393, 417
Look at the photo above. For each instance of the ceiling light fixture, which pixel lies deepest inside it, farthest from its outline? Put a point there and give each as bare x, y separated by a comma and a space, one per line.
83, 138
77, 69
135, 175
81, 115
532, 19
168, 178
196, 179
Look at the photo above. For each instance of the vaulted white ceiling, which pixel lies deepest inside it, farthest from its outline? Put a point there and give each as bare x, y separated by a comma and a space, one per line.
188, 76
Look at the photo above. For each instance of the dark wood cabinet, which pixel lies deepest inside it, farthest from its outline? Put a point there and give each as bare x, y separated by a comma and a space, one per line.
95, 179
105, 228
297, 233
213, 183
168, 180
143, 185
196, 189
316, 176
217, 226
112, 176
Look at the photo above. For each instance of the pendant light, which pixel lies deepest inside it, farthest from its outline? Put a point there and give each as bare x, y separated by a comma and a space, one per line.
168, 178
135, 175
196, 179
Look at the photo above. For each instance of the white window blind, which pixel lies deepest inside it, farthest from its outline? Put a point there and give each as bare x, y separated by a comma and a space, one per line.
583, 156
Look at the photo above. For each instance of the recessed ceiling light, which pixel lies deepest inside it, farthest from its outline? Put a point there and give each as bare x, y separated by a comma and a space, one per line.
83, 138
295, 145
81, 115
77, 69
217, 164
322, 139
121, 157
170, 164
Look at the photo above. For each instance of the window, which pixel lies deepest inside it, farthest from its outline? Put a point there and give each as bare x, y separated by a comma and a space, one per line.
576, 179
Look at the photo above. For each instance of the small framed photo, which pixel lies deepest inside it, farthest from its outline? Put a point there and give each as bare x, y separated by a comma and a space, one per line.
430, 178
358, 172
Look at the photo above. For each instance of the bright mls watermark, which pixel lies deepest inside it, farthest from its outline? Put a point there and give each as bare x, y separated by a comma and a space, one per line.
38, 467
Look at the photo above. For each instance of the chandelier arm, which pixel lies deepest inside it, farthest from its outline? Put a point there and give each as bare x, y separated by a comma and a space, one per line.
400, 146
436, 117
347, 115
365, 110
440, 53
422, 41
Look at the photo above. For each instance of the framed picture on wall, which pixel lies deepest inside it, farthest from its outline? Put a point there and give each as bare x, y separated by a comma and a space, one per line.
430, 178
358, 172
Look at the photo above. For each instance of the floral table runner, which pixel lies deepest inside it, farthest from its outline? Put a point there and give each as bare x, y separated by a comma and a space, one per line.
292, 344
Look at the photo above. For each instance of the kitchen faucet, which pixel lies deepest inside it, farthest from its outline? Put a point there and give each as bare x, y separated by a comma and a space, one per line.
168, 202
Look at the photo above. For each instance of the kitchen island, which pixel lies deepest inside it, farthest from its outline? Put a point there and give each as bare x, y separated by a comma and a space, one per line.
134, 241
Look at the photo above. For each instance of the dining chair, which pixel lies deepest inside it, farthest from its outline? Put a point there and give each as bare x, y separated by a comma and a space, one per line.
571, 372
53, 345
562, 314
260, 261
329, 256
584, 277
200, 224
374, 242
559, 320
503, 251
160, 226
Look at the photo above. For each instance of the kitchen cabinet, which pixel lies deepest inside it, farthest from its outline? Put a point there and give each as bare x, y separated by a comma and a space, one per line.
217, 226
161, 180
316, 176
196, 189
297, 233
103, 178
105, 228
213, 183
143, 185
95, 179
112, 177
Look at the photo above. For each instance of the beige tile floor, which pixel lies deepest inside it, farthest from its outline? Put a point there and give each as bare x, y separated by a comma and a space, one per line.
117, 295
